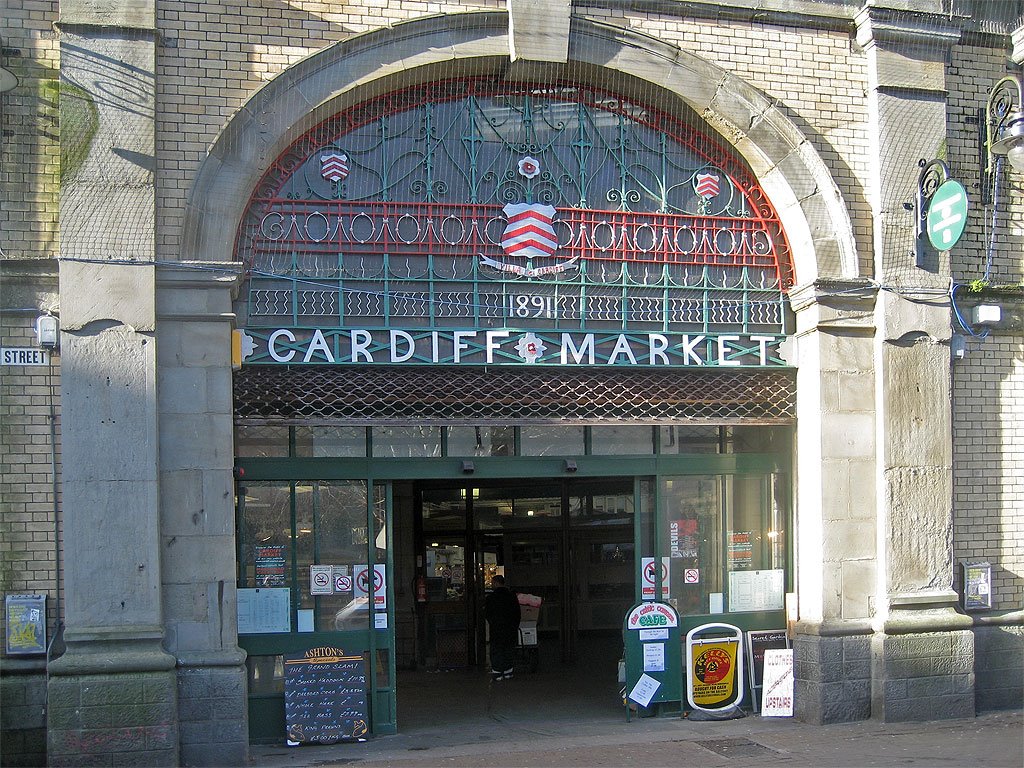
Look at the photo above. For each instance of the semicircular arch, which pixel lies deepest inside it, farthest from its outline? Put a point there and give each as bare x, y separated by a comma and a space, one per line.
788, 168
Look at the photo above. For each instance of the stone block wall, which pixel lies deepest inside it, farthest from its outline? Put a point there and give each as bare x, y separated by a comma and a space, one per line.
998, 668
833, 678
212, 715
86, 727
23, 717
928, 676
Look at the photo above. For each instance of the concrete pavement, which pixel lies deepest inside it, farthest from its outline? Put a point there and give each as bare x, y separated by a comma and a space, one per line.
993, 739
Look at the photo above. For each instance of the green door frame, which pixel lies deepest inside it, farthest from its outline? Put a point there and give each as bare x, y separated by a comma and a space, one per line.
386, 470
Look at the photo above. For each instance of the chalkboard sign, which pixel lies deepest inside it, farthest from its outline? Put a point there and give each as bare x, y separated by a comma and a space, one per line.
325, 697
757, 643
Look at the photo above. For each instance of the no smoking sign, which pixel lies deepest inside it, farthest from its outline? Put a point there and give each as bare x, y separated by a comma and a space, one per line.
320, 580
691, 576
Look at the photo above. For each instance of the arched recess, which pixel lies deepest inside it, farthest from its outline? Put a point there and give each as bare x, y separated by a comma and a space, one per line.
787, 166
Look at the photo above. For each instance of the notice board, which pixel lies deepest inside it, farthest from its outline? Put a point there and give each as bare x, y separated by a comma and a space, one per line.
759, 641
325, 697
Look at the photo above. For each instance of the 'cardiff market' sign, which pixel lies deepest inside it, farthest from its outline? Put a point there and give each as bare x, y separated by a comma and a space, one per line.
344, 346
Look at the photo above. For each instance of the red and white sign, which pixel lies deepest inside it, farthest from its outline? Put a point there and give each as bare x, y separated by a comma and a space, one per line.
361, 584
706, 185
334, 166
649, 578
320, 580
691, 576
529, 231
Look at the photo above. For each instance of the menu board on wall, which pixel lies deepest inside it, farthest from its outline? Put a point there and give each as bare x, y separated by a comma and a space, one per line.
264, 610
757, 590
325, 697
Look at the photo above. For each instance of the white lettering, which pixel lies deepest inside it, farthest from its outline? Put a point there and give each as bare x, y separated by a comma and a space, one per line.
410, 346
657, 344
722, 341
586, 348
493, 342
762, 342
318, 344
360, 341
621, 348
285, 333
460, 345
687, 348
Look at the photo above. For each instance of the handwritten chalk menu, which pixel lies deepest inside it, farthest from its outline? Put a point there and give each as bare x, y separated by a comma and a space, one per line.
325, 697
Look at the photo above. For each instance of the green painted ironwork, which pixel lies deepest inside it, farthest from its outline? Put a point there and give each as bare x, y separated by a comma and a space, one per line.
658, 226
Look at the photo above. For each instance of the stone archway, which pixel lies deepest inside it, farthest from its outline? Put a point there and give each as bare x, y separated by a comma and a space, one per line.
789, 169
835, 335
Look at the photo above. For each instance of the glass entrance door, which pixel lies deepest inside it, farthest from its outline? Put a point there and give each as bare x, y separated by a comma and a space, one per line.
566, 543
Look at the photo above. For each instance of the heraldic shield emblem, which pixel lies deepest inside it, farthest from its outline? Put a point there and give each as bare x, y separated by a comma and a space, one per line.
529, 234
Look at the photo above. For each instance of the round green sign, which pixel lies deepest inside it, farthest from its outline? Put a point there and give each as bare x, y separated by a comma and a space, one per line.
947, 214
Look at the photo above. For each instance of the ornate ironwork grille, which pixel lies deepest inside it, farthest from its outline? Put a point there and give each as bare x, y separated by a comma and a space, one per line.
397, 214
511, 396
477, 211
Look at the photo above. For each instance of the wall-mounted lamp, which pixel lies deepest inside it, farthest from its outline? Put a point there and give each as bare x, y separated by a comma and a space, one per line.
570, 465
1004, 131
468, 467
47, 331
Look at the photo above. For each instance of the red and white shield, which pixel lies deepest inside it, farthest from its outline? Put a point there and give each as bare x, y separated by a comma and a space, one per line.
334, 166
706, 185
529, 232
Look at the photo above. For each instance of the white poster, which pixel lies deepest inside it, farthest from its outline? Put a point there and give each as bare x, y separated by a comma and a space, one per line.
361, 584
650, 576
644, 690
757, 590
777, 694
320, 581
654, 657
264, 610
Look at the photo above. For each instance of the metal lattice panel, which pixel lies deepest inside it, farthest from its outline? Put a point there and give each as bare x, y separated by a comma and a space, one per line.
377, 395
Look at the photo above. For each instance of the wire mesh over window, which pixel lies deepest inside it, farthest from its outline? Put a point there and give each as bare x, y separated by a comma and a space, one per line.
378, 395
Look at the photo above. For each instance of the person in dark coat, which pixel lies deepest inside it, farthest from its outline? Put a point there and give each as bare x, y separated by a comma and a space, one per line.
501, 609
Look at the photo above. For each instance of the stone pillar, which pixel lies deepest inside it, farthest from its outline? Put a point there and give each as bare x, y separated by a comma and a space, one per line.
922, 649
111, 698
197, 509
835, 519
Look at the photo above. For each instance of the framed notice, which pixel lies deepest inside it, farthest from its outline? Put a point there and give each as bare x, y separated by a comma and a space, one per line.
757, 590
977, 586
261, 611
26, 624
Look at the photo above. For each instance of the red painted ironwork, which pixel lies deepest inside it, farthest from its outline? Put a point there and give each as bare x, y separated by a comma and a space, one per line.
471, 230
756, 241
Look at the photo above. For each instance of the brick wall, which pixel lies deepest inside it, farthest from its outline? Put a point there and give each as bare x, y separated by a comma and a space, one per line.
29, 144
27, 513
988, 384
988, 459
